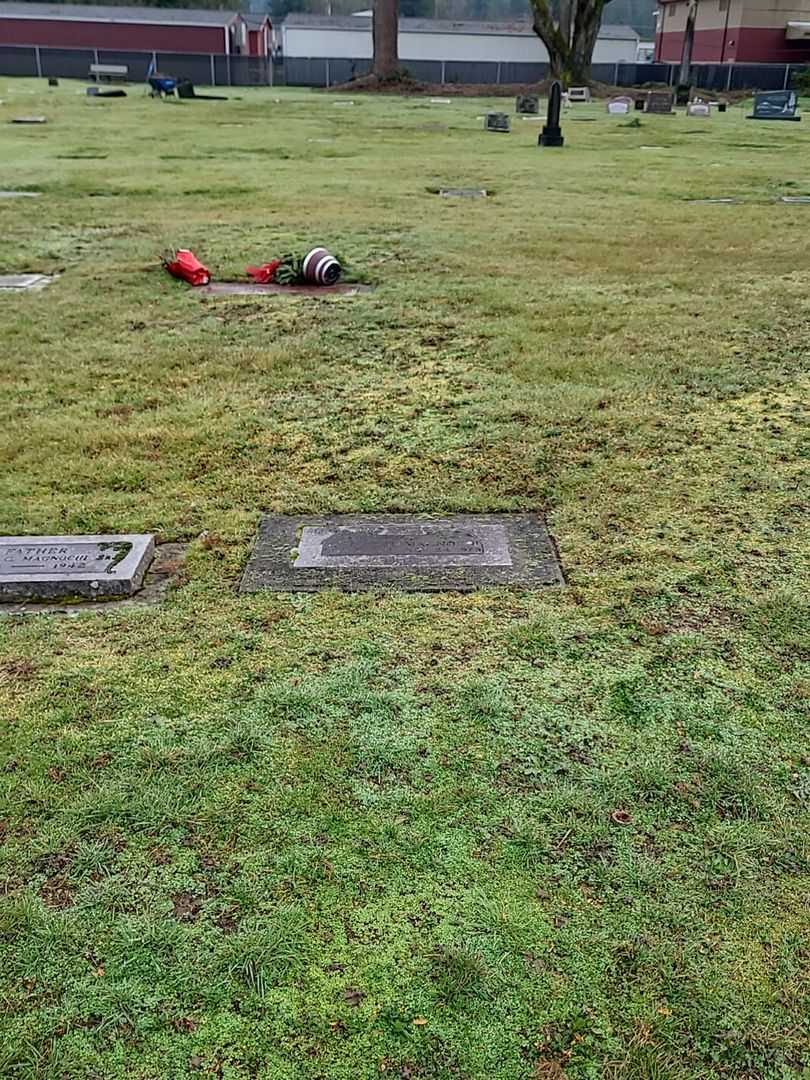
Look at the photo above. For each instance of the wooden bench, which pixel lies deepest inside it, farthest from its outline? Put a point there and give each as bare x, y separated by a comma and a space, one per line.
109, 72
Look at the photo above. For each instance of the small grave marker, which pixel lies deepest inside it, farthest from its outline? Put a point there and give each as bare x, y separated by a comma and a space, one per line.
620, 106
29, 120
463, 193
251, 288
683, 92
497, 121
21, 282
698, 108
57, 567
659, 102
415, 553
20, 194
527, 104
579, 93
775, 105
801, 199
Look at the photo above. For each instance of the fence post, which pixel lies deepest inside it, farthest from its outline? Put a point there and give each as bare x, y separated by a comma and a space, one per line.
327, 72
444, 72
213, 70
228, 67
786, 83
498, 73
38, 59
616, 74
728, 78
95, 58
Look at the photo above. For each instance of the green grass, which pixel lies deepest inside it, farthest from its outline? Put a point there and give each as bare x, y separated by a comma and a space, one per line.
334, 837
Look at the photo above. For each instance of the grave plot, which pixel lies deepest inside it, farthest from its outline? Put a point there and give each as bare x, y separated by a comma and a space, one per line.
43, 568
463, 193
415, 553
250, 288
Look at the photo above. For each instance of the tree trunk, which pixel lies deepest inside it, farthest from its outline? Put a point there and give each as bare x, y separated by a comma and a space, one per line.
569, 37
385, 31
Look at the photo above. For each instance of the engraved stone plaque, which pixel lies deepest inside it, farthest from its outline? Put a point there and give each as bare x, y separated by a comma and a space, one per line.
19, 282
60, 567
414, 553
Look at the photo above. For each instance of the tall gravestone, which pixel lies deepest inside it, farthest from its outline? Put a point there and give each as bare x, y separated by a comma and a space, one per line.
552, 135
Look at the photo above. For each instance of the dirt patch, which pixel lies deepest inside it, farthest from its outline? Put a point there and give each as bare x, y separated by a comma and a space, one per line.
187, 906
17, 671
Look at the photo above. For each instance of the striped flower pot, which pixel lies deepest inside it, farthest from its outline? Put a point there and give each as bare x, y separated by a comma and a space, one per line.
321, 268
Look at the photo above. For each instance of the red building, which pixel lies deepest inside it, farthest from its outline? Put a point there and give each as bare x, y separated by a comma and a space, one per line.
259, 31
147, 29
729, 31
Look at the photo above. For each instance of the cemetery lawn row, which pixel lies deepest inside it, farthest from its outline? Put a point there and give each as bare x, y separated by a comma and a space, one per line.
497, 836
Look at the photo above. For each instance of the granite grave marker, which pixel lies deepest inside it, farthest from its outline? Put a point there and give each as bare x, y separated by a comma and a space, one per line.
497, 121
58, 567
775, 105
659, 102
527, 104
417, 553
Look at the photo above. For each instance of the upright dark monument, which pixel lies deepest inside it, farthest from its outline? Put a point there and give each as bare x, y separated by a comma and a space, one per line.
551, 135
775, 105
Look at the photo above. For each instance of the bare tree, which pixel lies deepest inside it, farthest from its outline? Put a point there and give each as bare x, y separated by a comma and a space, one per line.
568, 29
385, 31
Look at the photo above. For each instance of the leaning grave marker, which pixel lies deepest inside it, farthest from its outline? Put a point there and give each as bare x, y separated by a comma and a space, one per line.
419, 553
775, 105
58, 567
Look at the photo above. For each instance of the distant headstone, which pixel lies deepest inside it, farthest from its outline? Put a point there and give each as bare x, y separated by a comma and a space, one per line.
29, 120
53, 82
415, 553
722, 106
21, 282
440, 101
552, 135
639, 104
659, 102
799, 199
20, 194
527, 104
698, 108
579, 93
619, 106
775, 105
683, 92
463, 193
497, 121
61, 567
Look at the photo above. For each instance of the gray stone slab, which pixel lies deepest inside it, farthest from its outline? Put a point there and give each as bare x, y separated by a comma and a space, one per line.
58, 567
463, 193
415, 553
250, 288
21, 282
799, 199
20, 194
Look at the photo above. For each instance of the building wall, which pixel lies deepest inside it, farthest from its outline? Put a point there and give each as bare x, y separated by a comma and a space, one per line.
508, 48
73, 34
729, 31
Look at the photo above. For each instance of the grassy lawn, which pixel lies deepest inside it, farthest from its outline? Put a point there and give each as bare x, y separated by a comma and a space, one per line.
498, 836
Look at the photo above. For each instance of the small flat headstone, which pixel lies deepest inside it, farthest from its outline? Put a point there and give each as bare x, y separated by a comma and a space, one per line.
19, 194
59, 567
418, 553
801, 199
20, 282
527, 104
29, 120
250, 288
579, 93
463, 193
698, 108
440, 101
620, 106
715, 199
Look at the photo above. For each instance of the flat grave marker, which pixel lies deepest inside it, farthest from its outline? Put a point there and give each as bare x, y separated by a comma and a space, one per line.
23, 282
34, 568
20, 194
463, 193
796, 199
251, 288
698, 108
416, 553
29, 120
579, 93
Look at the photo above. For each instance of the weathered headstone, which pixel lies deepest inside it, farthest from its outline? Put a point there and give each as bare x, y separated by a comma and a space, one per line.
415, 553
639, 104
60, 567
463, 193
527, 104
659, 102
29, 120
579, 93
698, 108
552, 135
497, 121
775, 105
21, 282
620, 106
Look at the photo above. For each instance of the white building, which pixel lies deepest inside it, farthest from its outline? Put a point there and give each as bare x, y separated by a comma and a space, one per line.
460, 46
